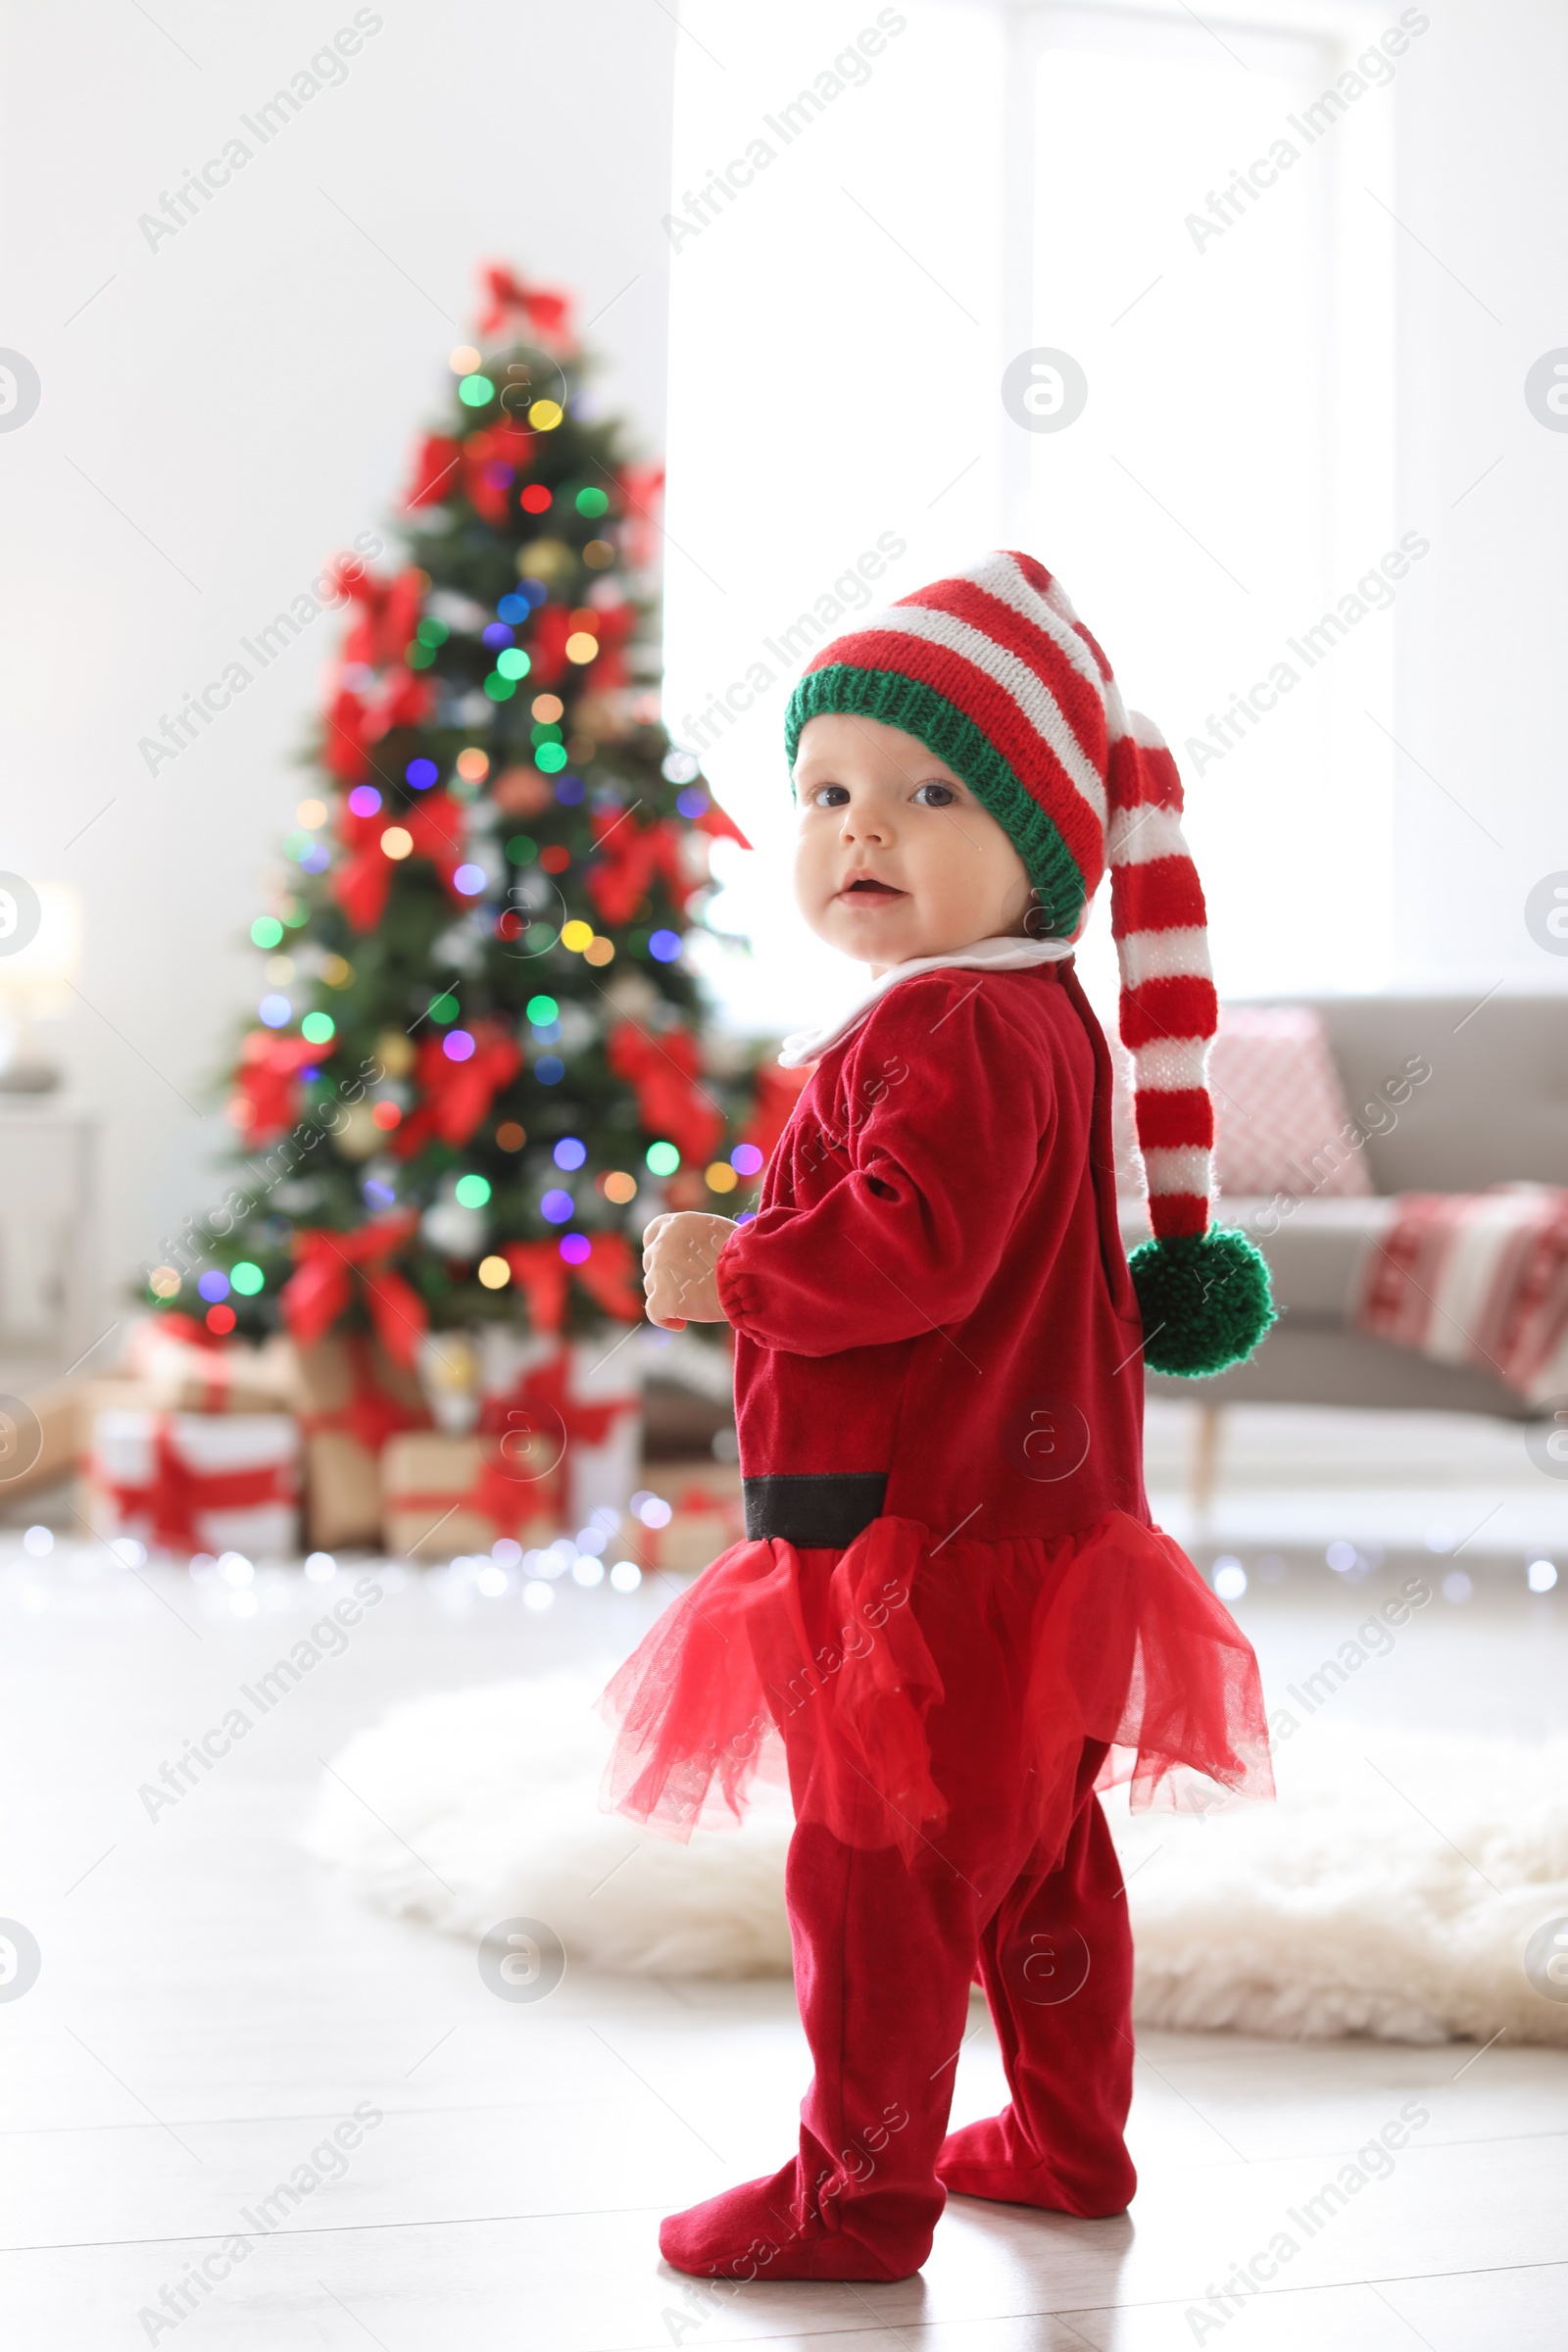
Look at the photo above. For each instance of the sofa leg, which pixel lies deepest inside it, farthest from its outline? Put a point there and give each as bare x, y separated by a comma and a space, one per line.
1205, 1458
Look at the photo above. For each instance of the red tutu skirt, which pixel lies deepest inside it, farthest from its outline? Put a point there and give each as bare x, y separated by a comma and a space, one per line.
835, 1664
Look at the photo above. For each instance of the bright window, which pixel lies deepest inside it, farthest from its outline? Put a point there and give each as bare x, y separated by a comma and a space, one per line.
1001, 182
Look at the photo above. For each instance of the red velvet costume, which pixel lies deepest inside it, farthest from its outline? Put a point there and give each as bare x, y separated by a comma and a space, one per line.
953, 1613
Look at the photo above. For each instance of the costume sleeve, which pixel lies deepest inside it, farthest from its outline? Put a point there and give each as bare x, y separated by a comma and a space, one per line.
951, 1106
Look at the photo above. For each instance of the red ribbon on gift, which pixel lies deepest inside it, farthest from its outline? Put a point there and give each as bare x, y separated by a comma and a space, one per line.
371, 1415
669, 1103
365, 876
609, 1274
177, 1492
455, 1095
539, 1405
329, 1268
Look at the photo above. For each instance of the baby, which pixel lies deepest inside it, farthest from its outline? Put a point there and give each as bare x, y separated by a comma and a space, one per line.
952, 1614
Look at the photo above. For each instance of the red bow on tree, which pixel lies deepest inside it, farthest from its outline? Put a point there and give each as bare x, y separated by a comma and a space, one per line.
356, 720
541, 1272
628, 858
664, 1070
642, 491
388, 614
362, 879
612, 625
484, 467
608, 1274
267, 1082
774, 1094
435, 470
454, 1096
491, 463
547, 312
358, 715
322, 1284
547, 643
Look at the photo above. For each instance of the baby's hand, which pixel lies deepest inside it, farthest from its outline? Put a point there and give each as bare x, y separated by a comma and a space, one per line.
680, 1250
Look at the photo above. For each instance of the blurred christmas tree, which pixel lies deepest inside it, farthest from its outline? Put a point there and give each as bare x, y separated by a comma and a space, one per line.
479, 1059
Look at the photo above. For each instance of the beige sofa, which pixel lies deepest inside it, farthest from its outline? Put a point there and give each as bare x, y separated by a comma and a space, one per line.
1495, 1110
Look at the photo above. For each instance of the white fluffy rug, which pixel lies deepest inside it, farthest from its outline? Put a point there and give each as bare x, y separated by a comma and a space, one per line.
1392, 1890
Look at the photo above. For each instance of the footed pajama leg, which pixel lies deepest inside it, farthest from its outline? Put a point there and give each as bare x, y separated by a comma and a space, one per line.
883, 1956
1057, 1961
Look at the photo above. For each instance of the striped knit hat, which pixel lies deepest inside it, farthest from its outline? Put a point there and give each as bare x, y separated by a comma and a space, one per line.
993, 672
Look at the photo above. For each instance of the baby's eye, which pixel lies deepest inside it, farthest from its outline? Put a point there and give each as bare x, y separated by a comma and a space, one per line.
828, 796
937, 796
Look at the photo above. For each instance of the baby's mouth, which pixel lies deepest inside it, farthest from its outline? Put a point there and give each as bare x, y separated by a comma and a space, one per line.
867, 886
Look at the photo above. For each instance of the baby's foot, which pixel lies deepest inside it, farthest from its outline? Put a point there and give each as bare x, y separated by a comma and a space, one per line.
756, 2233
991, 2159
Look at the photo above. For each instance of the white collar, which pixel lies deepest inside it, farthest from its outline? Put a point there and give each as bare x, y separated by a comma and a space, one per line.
986, 955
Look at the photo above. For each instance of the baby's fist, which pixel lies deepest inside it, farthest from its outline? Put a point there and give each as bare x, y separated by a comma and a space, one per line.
680, 1252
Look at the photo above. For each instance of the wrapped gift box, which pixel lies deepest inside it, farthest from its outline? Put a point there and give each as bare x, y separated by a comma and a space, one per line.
39, 1443
350, 1397
706, 1516
185, 1370
195, 1482
445, 1495
583, 1397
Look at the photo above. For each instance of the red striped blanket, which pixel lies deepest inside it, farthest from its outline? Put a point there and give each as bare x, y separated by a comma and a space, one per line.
1477, 1278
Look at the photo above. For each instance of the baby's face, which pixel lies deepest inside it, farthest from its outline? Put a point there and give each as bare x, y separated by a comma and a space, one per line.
896, 857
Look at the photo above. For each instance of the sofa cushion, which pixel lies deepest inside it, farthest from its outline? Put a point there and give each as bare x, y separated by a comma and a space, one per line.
1282, 1123
1454, 1093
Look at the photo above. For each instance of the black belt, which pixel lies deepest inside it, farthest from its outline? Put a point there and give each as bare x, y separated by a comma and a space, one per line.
827, 1508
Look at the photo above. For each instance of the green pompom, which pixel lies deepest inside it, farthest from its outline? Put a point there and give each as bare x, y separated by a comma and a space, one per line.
1206, 1300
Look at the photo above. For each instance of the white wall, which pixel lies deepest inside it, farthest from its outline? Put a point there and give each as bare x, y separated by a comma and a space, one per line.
1483, 636
242, 401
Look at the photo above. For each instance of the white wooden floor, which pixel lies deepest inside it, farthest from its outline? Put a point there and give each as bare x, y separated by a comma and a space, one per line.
212, 2007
